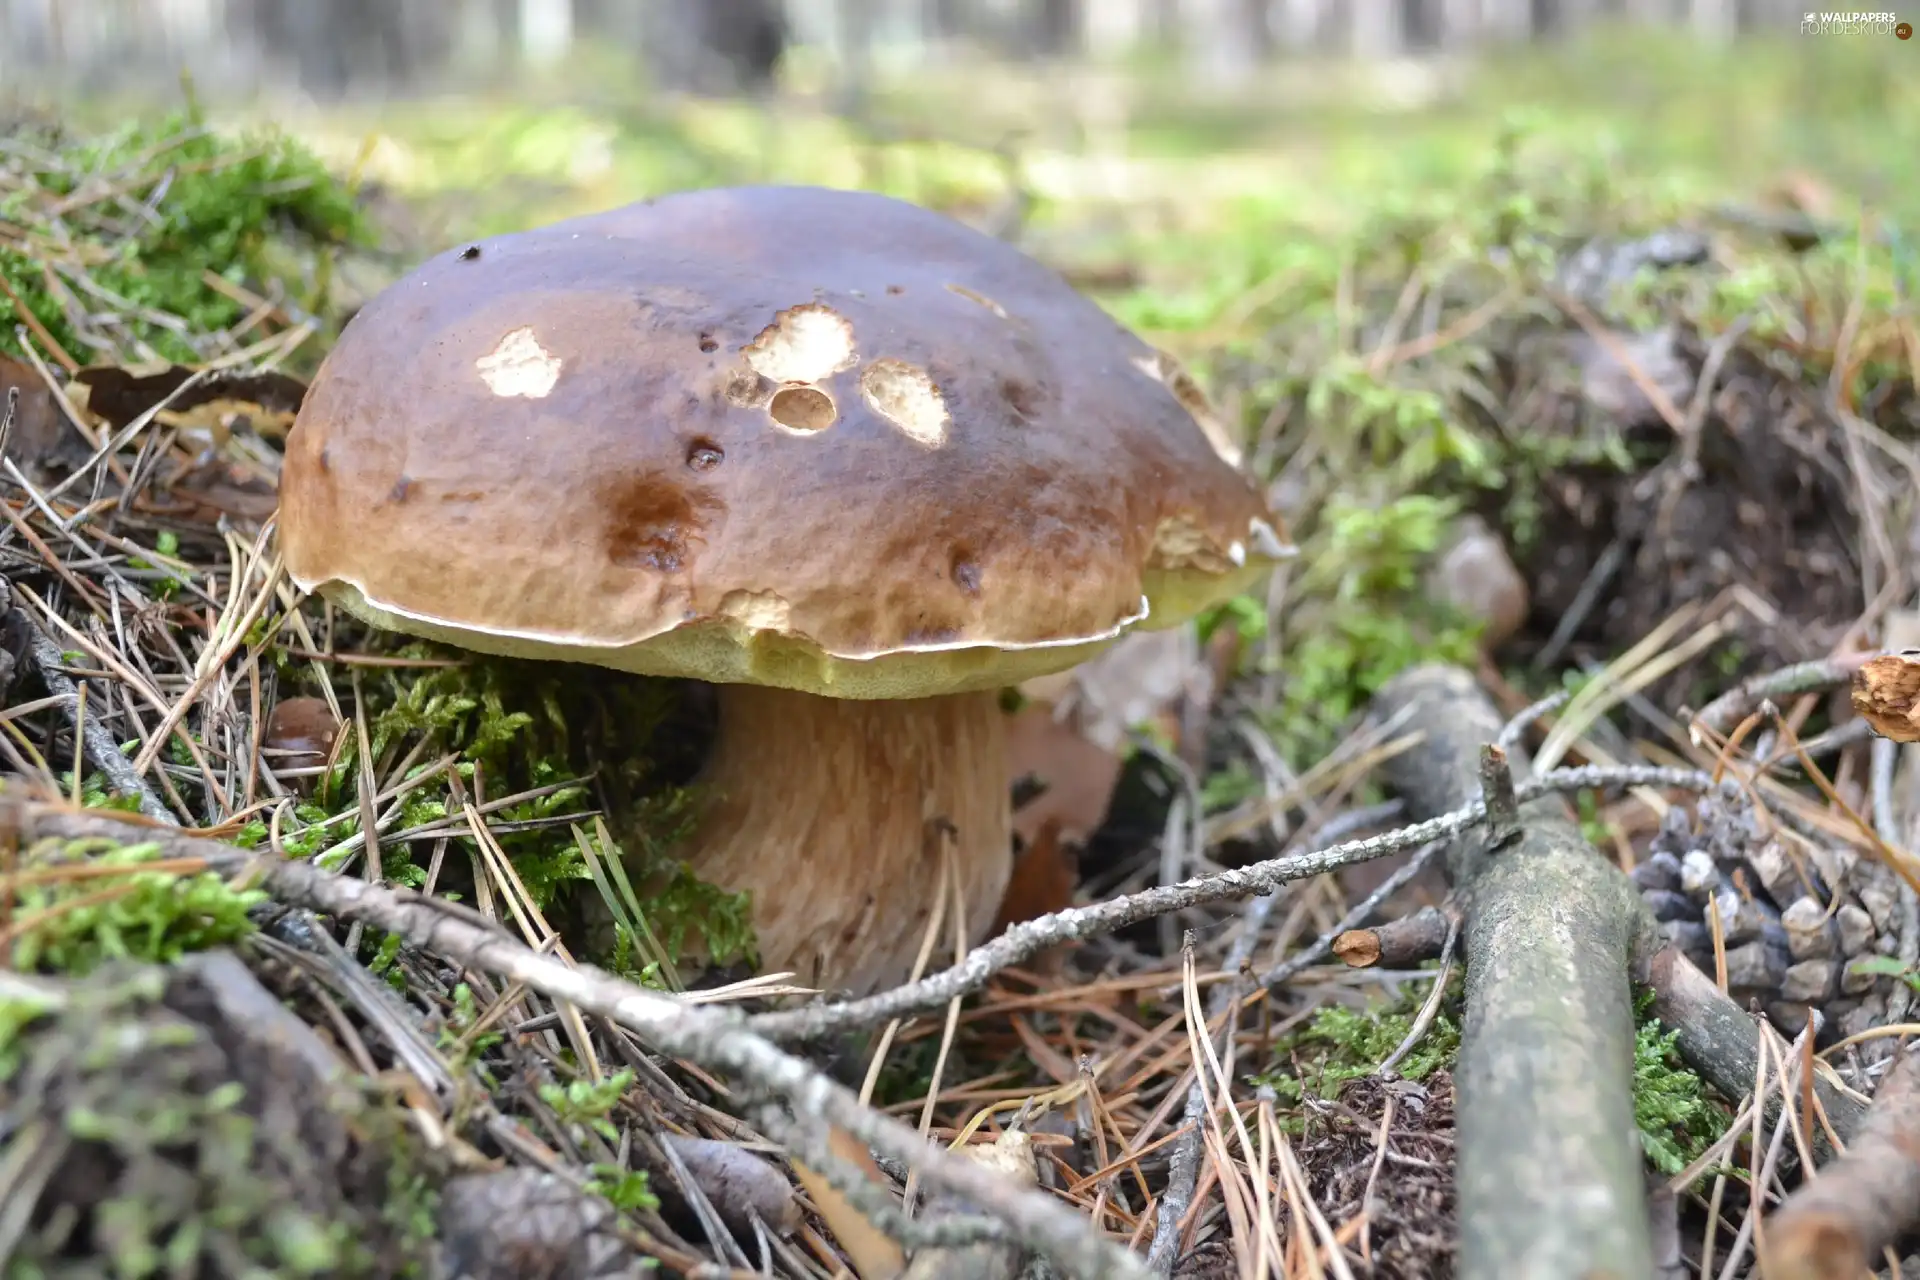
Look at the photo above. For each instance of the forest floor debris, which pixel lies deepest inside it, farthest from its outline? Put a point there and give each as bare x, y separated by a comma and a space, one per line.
400, 847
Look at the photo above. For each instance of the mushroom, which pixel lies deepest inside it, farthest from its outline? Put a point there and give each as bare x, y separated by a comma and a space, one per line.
853, 462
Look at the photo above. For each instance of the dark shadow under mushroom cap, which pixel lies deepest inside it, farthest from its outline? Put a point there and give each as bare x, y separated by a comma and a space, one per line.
814, 438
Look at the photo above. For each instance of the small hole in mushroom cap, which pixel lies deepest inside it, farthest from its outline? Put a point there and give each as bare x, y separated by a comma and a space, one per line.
708, 344
469, 253
704, 455
802, 409
1022, 397
895, 290
964, 570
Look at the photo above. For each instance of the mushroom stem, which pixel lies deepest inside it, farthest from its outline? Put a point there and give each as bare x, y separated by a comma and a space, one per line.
830, 812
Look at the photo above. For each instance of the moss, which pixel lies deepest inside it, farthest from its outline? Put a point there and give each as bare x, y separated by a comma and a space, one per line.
628, 1190
220, 205
908, 1072
1678, 1115
586, 737
97, 793
1340, 1043
588, 1104
90, 903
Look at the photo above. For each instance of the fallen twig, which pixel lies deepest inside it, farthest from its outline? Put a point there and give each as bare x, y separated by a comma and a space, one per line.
1029, 938
1731, 707
711, 1037
1398, 944
1834, 1227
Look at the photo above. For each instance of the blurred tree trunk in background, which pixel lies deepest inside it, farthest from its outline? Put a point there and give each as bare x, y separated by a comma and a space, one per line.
1111, 28
713, 46
1055, 27
853, 30
1218, 36
331, 48
1376, 28
362, 46
546, 30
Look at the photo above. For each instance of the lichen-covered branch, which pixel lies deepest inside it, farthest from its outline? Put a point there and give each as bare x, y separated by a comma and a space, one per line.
1549, 1168
1727, 710
1029, 938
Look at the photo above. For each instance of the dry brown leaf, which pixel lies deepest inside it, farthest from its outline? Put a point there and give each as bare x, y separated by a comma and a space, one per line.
268, 400
875, 1255
1072, 734
1079, 776
1886, 693
40, 435
739, 1184
1044, 876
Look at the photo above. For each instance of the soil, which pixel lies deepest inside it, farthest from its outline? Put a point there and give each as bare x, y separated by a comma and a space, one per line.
1410, 1227
1763, 504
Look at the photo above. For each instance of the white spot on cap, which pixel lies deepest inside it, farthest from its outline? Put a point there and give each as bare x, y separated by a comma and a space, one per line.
757, 610
807, 343
907, 397
519, 366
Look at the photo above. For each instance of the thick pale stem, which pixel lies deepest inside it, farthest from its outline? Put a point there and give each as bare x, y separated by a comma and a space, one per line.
836, 815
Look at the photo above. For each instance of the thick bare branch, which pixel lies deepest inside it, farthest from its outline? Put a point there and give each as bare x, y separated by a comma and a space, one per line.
1549, 1174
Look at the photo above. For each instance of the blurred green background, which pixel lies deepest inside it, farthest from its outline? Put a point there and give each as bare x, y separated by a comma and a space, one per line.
1261, 187
1198, 116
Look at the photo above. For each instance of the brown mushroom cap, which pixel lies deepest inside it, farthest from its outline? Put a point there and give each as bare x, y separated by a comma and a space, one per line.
818, 439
